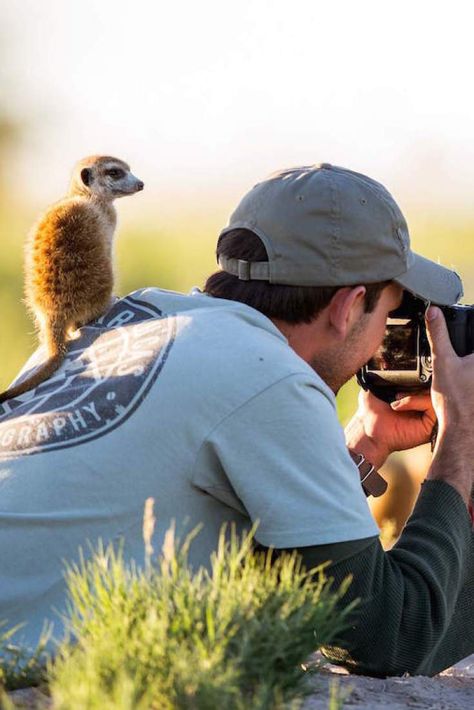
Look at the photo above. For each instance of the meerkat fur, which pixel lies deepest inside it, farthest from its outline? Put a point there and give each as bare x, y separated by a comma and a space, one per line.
68, 259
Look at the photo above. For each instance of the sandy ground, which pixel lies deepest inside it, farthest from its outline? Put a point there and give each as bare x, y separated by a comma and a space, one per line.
451, 690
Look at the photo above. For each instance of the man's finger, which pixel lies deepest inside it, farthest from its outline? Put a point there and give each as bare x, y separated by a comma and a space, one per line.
437, 331
413, 403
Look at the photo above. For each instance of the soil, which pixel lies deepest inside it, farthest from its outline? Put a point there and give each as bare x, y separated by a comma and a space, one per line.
451, 690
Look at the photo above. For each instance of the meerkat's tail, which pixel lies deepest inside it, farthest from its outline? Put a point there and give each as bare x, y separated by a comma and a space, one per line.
55, 333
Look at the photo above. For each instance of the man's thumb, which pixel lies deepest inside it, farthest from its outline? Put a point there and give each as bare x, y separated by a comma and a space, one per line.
437, 331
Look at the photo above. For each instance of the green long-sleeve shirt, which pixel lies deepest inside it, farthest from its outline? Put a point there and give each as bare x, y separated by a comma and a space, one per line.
417, 600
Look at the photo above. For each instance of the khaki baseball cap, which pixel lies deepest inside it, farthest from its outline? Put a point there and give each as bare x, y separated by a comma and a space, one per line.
323, 225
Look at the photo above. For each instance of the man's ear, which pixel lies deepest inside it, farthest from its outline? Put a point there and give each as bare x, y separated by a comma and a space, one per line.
345, 308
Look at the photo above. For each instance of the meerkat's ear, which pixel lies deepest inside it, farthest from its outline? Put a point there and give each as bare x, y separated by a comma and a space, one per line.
86, 176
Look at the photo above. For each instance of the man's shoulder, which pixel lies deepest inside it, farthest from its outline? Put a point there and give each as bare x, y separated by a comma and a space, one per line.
240, 342
234, 348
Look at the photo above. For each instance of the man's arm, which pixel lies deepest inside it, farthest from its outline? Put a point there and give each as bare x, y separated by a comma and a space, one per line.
415, 613
418, 598
378, 429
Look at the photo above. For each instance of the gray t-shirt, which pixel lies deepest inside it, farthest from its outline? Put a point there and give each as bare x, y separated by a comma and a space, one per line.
197, 402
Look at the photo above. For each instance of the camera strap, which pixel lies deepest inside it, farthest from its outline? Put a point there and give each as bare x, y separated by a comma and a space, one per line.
371, 480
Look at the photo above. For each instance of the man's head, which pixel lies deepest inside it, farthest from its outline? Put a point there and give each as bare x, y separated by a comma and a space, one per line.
321, 232
331, 327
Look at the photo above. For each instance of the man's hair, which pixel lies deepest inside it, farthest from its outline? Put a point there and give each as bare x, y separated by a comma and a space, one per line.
293, 304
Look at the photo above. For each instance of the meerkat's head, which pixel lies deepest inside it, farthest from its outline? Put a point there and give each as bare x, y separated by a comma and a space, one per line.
104, 177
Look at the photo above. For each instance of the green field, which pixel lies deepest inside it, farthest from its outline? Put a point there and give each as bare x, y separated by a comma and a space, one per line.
178, 253
171, 256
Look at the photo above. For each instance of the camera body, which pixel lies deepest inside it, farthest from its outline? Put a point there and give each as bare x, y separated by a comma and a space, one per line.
403, 361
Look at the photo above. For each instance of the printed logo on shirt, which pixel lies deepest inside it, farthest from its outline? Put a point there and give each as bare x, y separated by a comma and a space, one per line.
106, 375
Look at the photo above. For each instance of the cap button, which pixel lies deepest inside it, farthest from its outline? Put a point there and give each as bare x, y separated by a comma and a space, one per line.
325, 166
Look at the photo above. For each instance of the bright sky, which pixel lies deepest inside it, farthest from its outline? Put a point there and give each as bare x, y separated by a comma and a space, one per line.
205, 97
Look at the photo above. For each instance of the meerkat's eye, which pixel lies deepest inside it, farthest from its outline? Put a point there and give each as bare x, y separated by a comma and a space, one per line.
116, 173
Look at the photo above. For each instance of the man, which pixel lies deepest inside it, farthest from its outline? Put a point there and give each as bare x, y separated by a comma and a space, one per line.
221, 406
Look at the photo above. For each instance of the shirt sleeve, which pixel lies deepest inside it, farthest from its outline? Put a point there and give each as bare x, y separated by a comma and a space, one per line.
281, 459
415, 601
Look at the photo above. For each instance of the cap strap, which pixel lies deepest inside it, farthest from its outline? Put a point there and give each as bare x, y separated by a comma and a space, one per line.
245, 270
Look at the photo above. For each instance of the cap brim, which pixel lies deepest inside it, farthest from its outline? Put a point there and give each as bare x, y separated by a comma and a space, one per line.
431, 282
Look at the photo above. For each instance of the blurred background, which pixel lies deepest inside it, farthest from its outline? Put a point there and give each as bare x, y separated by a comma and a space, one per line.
203, 99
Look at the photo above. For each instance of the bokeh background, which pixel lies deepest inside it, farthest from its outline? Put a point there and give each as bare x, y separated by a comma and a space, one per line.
204, 98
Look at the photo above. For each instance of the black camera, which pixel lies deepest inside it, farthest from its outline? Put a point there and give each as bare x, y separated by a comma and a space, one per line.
403, 361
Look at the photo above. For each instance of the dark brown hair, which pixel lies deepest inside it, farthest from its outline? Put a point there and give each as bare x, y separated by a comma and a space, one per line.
293, 304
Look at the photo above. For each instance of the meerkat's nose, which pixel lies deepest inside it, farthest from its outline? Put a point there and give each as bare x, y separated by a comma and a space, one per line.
140, 185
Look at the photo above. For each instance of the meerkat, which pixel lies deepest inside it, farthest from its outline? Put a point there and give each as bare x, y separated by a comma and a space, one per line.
68, 259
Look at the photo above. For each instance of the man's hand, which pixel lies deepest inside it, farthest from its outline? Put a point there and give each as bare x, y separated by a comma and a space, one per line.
452, 393
377, 428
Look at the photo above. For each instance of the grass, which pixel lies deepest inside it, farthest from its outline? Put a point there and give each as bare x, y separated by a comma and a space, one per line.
21, 667
165, 637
